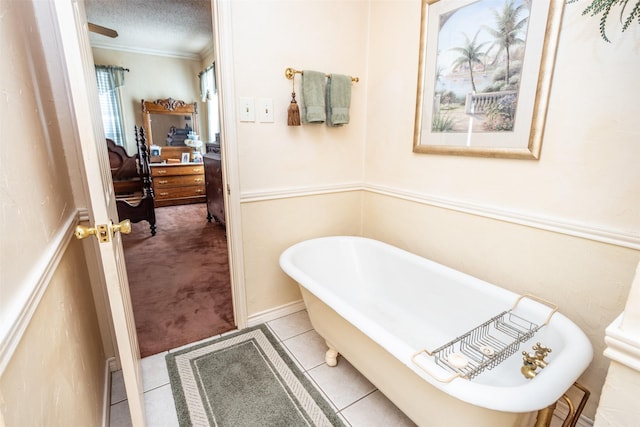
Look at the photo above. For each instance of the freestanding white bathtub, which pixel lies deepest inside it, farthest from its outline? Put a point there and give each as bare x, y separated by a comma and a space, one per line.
386, 310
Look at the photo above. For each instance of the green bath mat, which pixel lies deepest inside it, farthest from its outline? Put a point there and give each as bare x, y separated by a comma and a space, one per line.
244, 379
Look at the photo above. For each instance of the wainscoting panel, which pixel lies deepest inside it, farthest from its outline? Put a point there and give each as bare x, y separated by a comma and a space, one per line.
17, 317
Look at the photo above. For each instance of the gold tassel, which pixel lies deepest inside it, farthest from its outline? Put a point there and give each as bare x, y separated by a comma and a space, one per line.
293, 116
294, 112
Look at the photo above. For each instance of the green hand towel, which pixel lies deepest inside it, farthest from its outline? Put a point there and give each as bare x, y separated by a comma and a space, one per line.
338, 99
313, 97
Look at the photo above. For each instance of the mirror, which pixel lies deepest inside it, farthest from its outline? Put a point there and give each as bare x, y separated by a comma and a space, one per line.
485, 71
167, 122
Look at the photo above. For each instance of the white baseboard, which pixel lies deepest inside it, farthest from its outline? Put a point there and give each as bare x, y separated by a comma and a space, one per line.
109, 367
274, 313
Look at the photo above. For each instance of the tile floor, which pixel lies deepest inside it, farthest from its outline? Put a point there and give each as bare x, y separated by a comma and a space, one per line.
353, 397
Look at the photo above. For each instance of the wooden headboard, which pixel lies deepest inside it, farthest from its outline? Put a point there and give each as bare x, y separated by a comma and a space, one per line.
132, 183
124, 170
123, 166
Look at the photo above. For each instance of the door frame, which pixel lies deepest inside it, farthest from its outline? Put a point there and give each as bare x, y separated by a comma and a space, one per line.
224, 69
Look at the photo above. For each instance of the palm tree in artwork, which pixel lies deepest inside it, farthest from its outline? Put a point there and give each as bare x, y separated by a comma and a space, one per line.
470, 53
508, 29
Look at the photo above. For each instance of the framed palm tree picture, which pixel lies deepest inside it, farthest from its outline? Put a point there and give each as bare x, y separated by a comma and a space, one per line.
484, 76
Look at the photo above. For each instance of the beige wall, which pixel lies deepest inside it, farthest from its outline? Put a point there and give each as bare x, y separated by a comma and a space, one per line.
587, 172
152, 77
56, 374
274, 158
272, 226
587, 177
35, 192
268, 37
618, 407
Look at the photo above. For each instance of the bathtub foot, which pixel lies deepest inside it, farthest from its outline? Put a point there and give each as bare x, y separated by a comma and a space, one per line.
331, 356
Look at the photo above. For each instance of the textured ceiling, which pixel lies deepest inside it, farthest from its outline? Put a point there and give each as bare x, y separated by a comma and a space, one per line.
173, 27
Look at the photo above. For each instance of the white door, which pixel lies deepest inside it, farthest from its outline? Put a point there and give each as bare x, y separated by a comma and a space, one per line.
70, 18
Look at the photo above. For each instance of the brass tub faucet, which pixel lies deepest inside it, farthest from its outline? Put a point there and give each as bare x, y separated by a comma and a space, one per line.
540, 353
535, 360
529, 366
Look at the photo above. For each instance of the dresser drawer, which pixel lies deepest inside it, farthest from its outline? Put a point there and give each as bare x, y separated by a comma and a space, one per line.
180, 192
171, 170
175, 181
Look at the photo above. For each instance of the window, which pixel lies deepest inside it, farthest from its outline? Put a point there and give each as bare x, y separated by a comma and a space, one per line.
209, 93
109, 79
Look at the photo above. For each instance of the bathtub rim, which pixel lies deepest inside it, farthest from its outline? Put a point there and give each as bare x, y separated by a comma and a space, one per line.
537, 393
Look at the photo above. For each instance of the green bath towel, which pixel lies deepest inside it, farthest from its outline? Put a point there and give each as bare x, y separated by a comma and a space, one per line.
338, 99
313, 97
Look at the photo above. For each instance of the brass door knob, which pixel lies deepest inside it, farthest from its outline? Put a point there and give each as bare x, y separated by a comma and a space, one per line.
123, 227
101, 231
82, 231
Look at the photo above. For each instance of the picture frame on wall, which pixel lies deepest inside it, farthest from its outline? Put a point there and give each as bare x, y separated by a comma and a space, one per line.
485, 71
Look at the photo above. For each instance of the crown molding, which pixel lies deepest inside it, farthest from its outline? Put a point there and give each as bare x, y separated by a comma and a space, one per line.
142, 51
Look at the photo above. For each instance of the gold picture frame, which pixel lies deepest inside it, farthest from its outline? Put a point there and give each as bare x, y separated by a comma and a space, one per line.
528, 92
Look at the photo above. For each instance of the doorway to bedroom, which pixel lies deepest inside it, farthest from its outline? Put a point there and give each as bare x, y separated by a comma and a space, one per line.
179, 279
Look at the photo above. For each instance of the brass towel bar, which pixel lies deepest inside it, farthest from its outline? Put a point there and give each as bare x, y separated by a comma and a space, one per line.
290, 72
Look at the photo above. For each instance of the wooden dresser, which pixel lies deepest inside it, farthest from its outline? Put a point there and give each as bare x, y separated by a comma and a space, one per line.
215, 195
178, 183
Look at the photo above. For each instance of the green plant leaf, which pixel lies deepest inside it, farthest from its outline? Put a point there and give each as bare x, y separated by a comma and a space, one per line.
604, 8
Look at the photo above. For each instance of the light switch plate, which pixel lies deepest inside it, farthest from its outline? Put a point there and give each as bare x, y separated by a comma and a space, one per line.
247, 110
264, 108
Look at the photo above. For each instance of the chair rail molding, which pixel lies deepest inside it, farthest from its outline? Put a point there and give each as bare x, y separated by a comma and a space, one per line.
593, 232
558, 225
292, 192
16, 317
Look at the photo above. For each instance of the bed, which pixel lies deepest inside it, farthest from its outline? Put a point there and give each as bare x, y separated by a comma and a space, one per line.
132, 182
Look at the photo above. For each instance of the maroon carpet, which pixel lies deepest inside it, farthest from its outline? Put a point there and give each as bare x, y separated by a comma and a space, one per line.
179, 279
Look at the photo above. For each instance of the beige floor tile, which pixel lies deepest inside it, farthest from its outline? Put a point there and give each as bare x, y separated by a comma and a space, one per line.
118, 392
343, 384
291, 325
119, 415
308, 348
159, 408
323, 394
154, 371
375, 410
293, 358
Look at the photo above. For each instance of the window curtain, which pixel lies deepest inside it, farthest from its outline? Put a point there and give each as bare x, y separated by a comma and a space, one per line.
207, 83
109, 79
209, 94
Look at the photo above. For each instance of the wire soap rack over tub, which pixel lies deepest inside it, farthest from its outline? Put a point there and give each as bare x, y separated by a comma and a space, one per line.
485, 346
